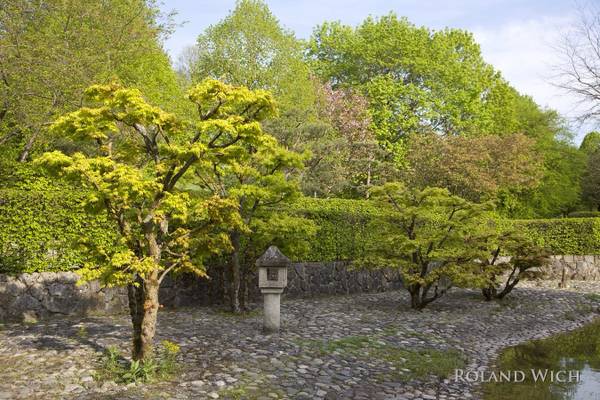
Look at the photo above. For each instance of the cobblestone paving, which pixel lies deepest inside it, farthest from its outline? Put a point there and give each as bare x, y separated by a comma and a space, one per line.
345, 347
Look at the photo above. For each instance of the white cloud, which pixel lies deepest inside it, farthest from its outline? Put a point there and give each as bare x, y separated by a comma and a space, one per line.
525, 53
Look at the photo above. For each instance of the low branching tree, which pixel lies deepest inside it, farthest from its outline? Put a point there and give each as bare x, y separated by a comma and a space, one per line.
434, 241
138, 168
260, 177
500, 274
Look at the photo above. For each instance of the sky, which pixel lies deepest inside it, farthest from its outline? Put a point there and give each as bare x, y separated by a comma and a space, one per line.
518, 37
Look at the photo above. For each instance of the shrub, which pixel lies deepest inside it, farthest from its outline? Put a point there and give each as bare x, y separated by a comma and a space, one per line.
44, 223
577, 236
114, 367
343, 226
344, 231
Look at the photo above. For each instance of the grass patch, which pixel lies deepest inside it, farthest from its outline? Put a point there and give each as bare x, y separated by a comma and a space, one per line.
246, 314
252, 388
412, 363
82, 332
595, 297
114, 367
570, 316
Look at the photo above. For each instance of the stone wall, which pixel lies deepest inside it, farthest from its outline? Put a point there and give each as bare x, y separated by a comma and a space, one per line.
42, 295
581, 268
310, 279
29, 297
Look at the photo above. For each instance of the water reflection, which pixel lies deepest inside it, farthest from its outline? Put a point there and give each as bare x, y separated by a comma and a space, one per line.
576, 353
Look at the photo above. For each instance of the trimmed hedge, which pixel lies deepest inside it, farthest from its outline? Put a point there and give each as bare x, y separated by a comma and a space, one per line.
572, 236
342, 226
42, 223
343, 229
584, 214
41, 220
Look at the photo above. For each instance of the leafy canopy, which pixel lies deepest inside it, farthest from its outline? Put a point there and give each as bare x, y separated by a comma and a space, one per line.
138, 166
416, 80
435, 237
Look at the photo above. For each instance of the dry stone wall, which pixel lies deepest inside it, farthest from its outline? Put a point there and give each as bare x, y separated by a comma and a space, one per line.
29, 297
42, 295
580, 268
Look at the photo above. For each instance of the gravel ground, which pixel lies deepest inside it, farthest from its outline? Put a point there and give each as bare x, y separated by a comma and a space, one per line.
367, 346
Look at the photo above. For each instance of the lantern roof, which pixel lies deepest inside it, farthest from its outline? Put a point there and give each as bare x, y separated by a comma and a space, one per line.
273, 257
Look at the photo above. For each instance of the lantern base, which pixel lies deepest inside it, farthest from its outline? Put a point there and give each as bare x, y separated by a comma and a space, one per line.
271, 304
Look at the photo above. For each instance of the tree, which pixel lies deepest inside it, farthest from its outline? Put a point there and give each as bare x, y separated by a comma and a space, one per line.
347, 159
500, 275
249, 47
590, 143
435, 241
475, 168
559, 191
101, 41
578, 72
260, 177
139, 160
416, 80
590, 183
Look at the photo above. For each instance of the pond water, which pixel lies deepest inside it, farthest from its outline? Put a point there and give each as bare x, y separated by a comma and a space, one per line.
563, 367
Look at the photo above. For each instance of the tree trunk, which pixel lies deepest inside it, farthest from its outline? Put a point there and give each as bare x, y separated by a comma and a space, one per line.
143, 307
234, 288
244, 289
143, 299
415, 296
489, 293
28, 146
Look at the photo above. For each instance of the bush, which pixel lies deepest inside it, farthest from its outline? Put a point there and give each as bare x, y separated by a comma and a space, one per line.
343, 229
343, 226
573, 236
43, 223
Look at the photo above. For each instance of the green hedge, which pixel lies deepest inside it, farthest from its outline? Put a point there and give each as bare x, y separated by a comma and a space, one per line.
584, 214
573, 236
42, 223
343, 229
342, 226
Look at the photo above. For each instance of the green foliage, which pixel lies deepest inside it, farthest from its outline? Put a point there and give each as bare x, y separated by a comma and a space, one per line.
584, 214
436, 237
499, 276
113, 367
44, 223
344, 229
249, 47
590, 182
143, 200
420, 363
559, 191
106, 40
416, 80
137, 167
475, 168
343, 226
590, 143
573, 236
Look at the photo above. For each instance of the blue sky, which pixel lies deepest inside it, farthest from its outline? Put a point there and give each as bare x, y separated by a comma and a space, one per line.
516, 36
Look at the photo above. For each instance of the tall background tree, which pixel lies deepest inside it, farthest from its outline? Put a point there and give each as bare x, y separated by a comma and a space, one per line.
418, 81
249, 47
415, 79
50, 51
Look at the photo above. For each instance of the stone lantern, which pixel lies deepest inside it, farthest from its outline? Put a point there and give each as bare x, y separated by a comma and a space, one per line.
272, 279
